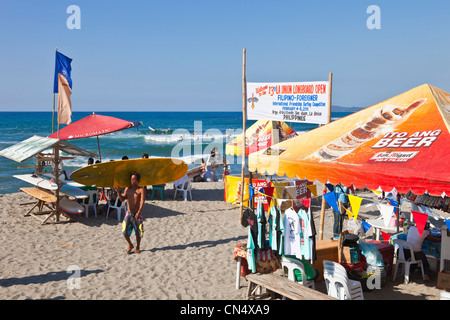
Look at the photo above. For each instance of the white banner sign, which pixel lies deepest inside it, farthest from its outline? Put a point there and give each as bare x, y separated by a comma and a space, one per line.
305, 102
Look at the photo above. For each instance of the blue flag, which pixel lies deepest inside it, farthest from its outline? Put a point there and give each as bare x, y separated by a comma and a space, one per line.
366, 226
330, 198
62, 65
251, 191
447, 222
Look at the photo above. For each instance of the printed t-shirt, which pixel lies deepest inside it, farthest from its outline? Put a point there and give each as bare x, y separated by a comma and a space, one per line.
291, 223
251, 260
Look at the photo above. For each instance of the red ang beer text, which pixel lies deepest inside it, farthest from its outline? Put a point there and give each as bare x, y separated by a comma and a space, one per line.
291, 89
403, 140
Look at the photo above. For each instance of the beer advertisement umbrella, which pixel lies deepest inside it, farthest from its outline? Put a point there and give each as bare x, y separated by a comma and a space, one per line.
91, 126
261, 135
402, 142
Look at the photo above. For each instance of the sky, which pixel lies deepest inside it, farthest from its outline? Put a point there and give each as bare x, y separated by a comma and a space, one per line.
188, 55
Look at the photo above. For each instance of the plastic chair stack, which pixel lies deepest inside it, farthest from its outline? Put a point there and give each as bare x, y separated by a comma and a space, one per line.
290, 265
338, 284
445, 249
400, 244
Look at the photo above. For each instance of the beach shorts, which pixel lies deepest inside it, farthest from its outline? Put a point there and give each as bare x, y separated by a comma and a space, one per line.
130, 223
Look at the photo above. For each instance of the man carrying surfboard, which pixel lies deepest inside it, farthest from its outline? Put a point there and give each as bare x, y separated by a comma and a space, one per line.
135, 197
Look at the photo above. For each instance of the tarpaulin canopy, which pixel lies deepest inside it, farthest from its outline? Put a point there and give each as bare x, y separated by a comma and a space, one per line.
402, 142
93, 125
261, 135
35, 145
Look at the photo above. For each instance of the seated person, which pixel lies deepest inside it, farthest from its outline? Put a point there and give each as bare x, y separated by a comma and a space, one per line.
209, 175
416, 241
203, 165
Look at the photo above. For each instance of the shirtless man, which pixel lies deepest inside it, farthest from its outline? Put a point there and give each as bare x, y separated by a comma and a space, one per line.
135, 197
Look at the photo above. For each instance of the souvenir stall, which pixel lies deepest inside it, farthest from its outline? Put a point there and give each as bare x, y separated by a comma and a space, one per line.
399, 145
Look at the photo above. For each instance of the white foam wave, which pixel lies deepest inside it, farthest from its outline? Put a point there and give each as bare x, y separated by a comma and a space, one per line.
176, 138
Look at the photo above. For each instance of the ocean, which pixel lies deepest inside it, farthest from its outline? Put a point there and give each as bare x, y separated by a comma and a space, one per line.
189, 136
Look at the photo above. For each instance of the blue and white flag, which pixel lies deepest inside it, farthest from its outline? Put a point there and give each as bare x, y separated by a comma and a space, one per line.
62, 66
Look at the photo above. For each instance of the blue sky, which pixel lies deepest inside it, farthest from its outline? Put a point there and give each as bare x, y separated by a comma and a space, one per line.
187, 55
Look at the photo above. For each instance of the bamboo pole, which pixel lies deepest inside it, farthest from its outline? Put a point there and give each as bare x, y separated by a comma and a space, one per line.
322, 210
244, 124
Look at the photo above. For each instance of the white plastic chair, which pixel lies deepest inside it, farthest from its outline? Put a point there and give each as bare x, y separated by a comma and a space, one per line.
400, 244
289, 265
338, 284
118, 208
90, 201
185, 187
445, 249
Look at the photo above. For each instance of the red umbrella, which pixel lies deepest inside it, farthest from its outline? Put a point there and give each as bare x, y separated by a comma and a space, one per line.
93, 125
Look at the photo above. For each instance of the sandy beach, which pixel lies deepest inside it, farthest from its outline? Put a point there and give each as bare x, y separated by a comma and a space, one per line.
187, 253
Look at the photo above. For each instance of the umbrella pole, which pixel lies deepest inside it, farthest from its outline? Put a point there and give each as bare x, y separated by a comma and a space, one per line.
244, 124
99, 154
322, 211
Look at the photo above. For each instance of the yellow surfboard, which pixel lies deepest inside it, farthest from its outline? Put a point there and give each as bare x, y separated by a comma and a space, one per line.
114, 174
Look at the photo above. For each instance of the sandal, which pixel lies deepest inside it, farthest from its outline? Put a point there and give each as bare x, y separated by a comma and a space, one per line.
137, 251
129, 250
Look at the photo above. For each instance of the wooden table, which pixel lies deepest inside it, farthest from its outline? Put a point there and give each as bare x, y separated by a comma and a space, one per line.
43, 198
283, 286
378, 225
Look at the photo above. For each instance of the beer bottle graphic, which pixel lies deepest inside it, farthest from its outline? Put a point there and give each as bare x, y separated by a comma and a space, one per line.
388, 117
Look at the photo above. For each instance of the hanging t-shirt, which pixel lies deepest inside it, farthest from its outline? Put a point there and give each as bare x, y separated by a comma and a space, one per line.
292, 230
273, 226
305, 234
251, 260
280, 234
276, 230
312, 237
250, 220
262, 221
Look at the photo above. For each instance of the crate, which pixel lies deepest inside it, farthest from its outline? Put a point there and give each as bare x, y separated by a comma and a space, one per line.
325, 250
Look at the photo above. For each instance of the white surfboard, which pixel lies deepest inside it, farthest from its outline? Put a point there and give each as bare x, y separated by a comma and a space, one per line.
47, 184
37, 181
73, 191
71, 206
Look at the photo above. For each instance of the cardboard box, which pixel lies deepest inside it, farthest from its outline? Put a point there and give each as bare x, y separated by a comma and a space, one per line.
443, 282
345, 252
344, 255
325, 250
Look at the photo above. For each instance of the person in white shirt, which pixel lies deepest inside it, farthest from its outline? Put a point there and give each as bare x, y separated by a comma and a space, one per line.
416, 241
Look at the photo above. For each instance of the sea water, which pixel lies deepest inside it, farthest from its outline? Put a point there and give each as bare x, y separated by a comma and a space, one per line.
189, 136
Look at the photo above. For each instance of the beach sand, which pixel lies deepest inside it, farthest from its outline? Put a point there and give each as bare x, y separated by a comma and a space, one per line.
187, 253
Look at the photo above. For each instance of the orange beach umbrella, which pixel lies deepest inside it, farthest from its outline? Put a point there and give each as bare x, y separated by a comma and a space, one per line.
403, 142
261, 135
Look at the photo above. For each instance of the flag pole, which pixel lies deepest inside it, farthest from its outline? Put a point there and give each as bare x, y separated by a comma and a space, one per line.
53, 115
244, 124
322, 210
